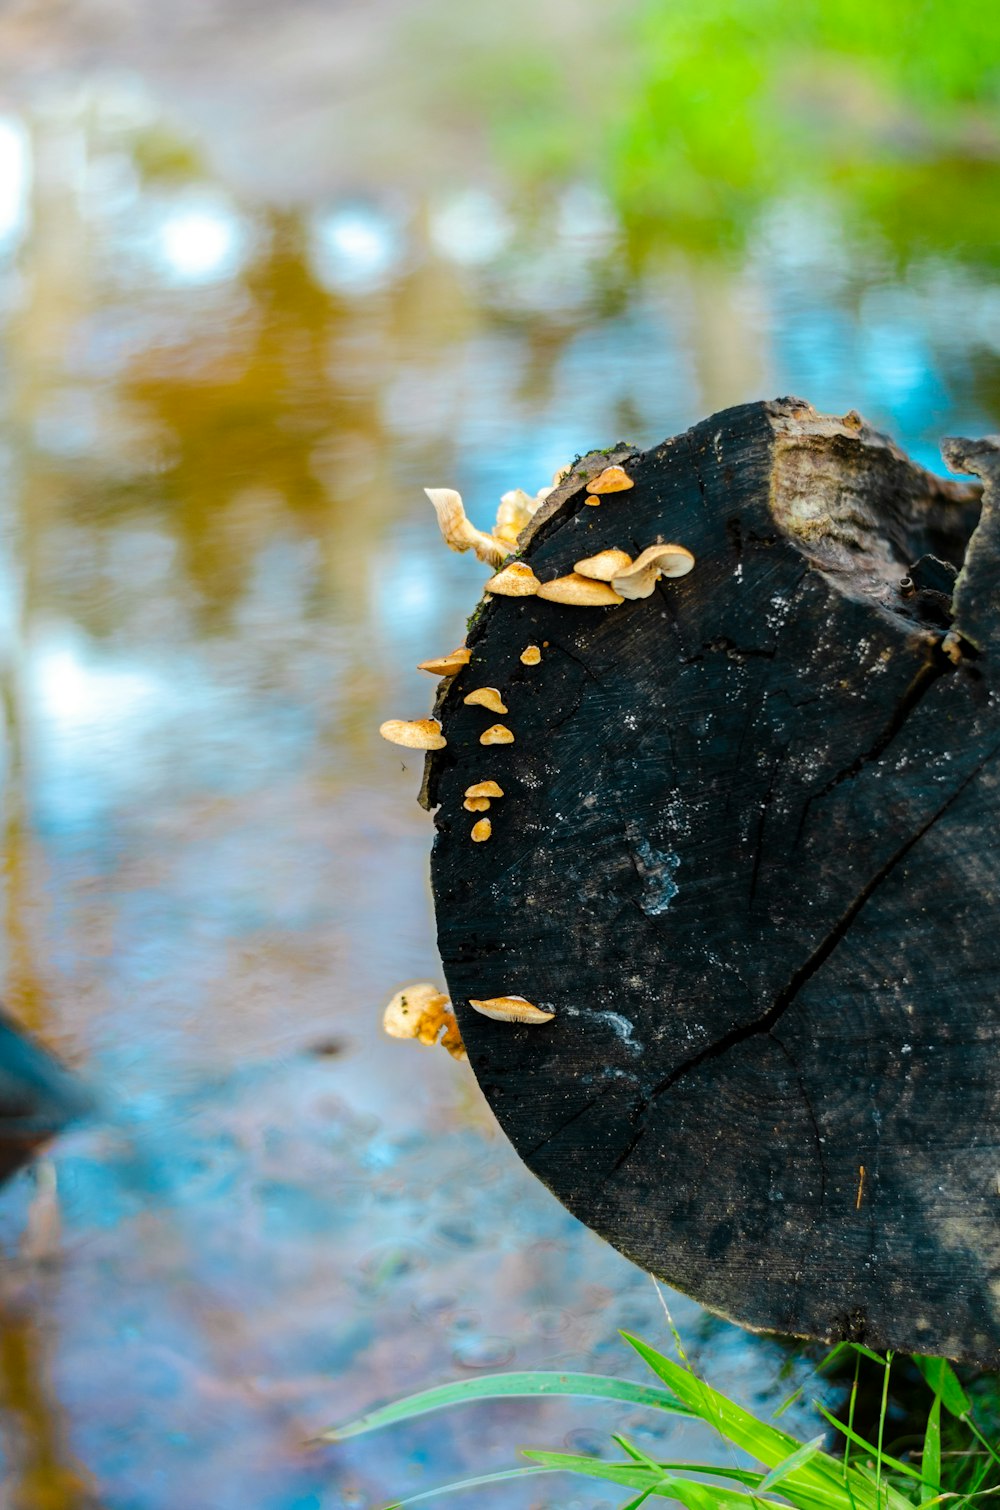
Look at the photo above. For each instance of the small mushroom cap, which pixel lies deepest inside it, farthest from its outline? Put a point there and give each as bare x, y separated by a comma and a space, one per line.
671, 560
481, 831
476, 804
515, 581
511, 1009
595, 503
415, 734
639, 579
487, 697
497, 734
530, 655
484, 789
605, 565
447, 665
583, 592
611, 480
409, 1009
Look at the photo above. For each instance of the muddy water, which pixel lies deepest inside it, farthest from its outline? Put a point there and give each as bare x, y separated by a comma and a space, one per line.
222, 394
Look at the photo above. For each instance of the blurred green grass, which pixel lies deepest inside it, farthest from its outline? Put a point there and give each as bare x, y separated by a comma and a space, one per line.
697, 118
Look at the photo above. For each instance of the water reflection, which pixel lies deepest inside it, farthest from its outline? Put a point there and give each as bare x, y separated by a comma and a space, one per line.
219, 574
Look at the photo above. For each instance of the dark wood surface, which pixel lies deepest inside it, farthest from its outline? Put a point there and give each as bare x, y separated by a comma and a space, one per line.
748, 853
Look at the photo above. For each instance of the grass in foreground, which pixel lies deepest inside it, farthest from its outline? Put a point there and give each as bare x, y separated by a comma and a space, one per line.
950, 1459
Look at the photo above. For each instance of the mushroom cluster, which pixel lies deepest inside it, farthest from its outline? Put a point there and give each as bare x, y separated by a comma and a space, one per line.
602, 580
597, 581
517, 508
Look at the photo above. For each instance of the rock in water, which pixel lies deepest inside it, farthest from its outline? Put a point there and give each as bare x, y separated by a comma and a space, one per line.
38, 1098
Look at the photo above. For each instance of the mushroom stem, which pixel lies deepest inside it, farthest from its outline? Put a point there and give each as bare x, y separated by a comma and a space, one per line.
460, 534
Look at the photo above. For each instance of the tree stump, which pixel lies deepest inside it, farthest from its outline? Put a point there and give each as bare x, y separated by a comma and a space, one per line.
748, 855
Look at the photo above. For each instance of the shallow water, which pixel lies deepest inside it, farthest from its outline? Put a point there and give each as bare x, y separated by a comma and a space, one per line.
231, 362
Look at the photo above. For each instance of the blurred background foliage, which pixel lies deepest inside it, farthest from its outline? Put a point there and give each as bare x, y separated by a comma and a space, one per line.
695, 117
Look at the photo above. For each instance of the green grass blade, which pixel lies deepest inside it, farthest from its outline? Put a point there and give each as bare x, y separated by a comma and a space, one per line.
889, 1498
866, 1352
746, 1476
694, 1496
628, 1475
766, 1443
635, 1453
944, 1382
504, 1476
769, 1445
970, 1423
850, 1422
796, 1460
820, 1483
883, 1411
501, 1386
858, 1441
788, 1402
834, 1356
930, 1462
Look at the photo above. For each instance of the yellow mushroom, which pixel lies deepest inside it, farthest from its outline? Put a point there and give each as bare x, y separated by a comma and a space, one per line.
415, 734
451, 1038
611, 480
497, 734
511, 1009
412, 1008
460, 534
487, 697
476, 804
515, 581
530, 655
447, 665
484, 789
420, 1012
515, 511
583, 592
605, 565
481, 831
639, 579
595, 503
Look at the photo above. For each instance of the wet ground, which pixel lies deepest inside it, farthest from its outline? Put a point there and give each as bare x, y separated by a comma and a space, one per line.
239, 338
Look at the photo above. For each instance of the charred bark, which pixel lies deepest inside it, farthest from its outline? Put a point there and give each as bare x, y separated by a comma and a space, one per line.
749, 854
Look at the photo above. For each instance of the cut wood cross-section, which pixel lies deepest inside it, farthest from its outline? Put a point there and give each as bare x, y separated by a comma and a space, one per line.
748, 857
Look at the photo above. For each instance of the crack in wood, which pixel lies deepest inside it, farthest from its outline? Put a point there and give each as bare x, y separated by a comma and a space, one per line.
787, 995
929, 672
723, 645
